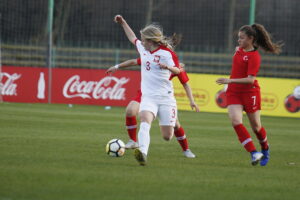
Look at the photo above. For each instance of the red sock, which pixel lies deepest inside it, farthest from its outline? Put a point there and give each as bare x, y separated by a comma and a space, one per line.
181, 138
244, 137
131, 126
262, 137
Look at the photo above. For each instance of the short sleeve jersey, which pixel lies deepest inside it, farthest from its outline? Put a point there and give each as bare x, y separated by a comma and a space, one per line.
156, 81
243, 65
182, 76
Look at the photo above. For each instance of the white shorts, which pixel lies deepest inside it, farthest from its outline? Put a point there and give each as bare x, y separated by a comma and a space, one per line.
165, 109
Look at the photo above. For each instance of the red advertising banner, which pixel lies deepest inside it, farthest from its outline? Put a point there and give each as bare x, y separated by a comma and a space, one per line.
20, 84
69, 86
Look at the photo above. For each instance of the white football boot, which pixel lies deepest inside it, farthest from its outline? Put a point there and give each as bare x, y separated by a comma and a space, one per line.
189, 154
131, 144
256, 157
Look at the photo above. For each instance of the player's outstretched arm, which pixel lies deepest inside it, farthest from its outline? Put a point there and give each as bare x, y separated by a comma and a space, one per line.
189, 93
128, 31
127, 63
248, 80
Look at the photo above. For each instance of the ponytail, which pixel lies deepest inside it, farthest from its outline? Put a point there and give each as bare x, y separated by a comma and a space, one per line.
154, 33
262, 38
172, 41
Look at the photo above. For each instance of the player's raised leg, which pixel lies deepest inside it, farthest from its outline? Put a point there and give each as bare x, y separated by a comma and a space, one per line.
167, 132
167, 119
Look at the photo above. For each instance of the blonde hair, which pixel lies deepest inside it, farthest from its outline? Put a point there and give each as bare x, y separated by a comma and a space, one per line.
154, 33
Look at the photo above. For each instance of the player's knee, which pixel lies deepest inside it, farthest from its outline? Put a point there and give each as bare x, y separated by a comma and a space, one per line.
130, 112
236, 122
177, 126
256, 128
167, 137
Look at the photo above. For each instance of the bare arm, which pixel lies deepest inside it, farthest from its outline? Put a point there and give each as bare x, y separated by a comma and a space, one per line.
127, 63
189, 94
249, 80
174, 70
128, 31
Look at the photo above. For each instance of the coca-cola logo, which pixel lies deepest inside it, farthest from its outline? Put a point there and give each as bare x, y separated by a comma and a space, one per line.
8, 87
109, 87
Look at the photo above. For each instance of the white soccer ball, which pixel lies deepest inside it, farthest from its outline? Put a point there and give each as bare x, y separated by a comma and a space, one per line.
115, 148
297, 92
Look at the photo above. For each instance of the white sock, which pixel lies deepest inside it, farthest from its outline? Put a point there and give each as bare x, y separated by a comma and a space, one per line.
144, 137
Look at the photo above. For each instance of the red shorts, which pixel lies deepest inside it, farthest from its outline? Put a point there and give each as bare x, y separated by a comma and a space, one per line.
251, 101
138, 97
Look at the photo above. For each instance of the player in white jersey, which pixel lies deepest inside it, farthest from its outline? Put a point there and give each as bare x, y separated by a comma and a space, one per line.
158, 62
132, 109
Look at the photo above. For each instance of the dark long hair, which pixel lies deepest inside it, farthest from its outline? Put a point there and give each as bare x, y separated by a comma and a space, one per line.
262, 38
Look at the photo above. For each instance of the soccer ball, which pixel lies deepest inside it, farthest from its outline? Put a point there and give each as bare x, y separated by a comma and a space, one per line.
115, 148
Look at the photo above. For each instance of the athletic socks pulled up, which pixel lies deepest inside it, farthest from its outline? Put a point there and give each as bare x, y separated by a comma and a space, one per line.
144, 137
181, 138
244, 137
131, 126
262, 138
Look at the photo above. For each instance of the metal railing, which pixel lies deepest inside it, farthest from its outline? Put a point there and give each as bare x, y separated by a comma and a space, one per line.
195, 62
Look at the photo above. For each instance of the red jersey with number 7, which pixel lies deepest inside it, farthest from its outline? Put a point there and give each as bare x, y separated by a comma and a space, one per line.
243, 65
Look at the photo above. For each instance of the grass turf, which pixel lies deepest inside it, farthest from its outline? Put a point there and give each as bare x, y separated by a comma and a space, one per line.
58, 152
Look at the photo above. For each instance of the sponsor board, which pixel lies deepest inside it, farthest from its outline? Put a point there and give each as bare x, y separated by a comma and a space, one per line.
70, 86
279, 97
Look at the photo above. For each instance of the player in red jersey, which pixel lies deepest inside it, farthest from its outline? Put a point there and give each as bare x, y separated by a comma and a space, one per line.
132, 110
243, 91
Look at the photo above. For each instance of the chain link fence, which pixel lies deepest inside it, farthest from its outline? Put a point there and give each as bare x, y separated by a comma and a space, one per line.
85, 36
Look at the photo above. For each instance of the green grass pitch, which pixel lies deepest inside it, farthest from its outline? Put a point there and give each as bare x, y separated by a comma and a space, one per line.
56, 152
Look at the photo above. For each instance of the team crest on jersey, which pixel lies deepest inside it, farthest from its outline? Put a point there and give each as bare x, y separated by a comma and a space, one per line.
156, 59
245, 58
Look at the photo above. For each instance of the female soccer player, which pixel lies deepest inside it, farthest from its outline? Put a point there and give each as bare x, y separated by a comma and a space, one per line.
133, 108
158, 63
243, 92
